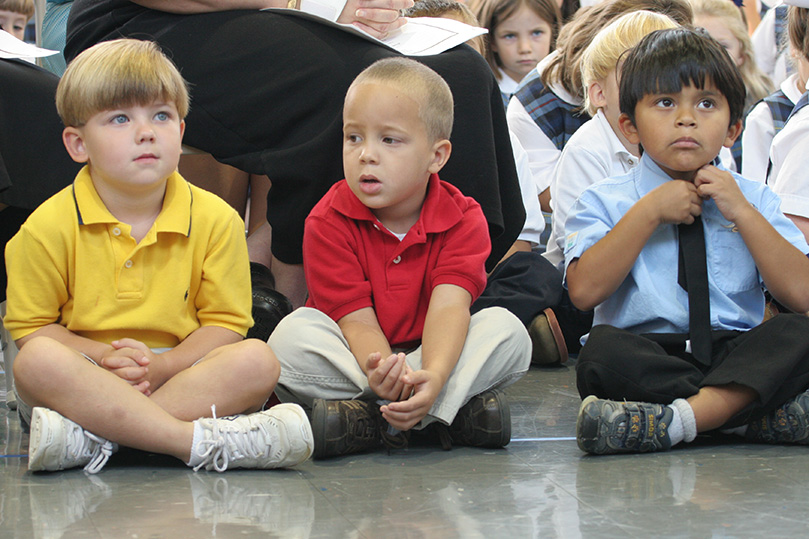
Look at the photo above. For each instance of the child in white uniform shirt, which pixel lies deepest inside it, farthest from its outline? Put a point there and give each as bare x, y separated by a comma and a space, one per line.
598, 150
788, 153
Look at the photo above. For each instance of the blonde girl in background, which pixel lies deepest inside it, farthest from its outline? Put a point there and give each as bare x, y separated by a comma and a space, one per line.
768, 116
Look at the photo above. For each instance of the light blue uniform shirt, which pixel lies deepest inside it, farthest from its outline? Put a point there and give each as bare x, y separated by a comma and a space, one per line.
650, 300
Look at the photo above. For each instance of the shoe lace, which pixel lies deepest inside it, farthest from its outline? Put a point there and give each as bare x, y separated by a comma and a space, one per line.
98, 449
244, 443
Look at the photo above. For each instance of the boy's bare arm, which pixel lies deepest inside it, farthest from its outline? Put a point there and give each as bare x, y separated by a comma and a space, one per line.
373, 354
601, 269
784, 269
445, 330
194, 347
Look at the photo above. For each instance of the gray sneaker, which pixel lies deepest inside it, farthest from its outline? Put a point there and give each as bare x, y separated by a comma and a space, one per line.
275, 438
604, 427
787, 424
57, 443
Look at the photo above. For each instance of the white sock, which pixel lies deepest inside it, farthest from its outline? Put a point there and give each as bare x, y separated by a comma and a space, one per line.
687, 420
195, 458
739, 431
675, 427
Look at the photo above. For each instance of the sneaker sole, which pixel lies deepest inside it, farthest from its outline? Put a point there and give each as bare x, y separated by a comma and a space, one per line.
40, 442
586, 430
302, 450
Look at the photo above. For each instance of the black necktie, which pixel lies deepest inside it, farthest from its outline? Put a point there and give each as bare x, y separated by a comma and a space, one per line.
693, 277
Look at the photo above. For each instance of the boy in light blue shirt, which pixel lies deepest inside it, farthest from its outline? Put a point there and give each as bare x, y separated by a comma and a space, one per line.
669, 372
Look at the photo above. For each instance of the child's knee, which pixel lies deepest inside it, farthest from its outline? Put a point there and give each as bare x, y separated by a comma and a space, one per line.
257, 360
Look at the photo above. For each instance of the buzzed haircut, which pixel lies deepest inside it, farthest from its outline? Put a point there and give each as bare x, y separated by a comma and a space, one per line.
115, 74
666, 60
423, 85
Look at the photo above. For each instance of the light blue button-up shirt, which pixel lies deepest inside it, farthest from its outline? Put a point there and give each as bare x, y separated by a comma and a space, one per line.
650, 300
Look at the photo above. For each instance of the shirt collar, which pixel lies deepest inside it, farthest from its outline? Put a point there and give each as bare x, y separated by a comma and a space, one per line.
649, 175
174, 217
439, 212
616, 147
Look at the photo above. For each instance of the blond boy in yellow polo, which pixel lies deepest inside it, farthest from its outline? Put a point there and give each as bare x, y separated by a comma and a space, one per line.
129, 292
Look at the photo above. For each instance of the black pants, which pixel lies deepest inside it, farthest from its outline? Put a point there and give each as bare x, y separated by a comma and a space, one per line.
526, 284
267, 94
772, 359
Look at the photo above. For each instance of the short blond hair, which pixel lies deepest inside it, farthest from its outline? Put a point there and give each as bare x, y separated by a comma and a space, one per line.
423, 85
115, 74
23, 7
608, 46
758, 84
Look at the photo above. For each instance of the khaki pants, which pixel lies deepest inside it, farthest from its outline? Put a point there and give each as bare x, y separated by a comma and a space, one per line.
316, 362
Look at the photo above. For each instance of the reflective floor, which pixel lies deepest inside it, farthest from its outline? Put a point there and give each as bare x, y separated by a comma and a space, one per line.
541, 485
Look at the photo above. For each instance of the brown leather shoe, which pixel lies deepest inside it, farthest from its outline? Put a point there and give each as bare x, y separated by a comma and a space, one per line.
484, 421
351, 426
547, 342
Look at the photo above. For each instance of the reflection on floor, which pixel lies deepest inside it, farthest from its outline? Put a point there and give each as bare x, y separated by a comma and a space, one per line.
541, 485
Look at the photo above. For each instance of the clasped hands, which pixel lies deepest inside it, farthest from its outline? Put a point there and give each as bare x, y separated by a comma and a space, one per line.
130, 360
412, 392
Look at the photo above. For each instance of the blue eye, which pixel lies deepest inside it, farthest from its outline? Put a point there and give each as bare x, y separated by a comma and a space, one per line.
162, 116
120, 119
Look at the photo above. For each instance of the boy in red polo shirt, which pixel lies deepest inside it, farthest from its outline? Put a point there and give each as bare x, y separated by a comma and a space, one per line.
393, 259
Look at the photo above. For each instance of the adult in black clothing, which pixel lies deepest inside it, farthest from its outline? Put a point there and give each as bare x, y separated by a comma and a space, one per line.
267, 92
33, 161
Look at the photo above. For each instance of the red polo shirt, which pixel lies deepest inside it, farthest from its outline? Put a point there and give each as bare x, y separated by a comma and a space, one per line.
352, 261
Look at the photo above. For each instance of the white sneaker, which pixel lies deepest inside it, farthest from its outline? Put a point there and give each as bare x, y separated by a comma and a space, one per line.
275, 438
57, 443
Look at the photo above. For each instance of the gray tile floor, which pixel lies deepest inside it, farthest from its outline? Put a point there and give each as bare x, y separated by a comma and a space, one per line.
539, 486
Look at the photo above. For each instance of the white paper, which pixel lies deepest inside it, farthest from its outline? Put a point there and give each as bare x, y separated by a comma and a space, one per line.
421, 36
11, 47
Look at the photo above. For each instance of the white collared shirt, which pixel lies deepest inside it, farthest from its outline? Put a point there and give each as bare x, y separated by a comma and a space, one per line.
593, 153
759, 132
542, 152
790, 161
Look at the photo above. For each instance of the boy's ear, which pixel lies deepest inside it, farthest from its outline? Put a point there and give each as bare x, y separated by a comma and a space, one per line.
628, 129
73, 139
441, 151
733, 132
596, 95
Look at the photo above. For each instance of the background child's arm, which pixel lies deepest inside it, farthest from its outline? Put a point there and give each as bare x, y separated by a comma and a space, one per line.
445, 329
602, 268
783, 268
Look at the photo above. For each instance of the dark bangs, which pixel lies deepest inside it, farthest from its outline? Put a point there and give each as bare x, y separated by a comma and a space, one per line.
666, 60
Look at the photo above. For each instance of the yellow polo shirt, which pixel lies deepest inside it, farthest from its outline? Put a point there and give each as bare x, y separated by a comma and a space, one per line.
74, 264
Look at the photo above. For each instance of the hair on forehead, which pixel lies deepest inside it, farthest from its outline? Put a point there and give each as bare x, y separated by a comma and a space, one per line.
115, 74
666, 60
420, 83
23, 7
608, 46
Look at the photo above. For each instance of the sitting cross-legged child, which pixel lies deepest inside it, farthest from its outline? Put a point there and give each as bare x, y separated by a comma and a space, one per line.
673, 256
394, 258
129, 292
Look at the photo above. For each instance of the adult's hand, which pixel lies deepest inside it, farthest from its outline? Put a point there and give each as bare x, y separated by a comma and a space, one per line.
376, 17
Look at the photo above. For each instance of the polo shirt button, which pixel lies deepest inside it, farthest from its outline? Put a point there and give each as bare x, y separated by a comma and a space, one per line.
128, 264
631, 161
116, 231
397, 259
